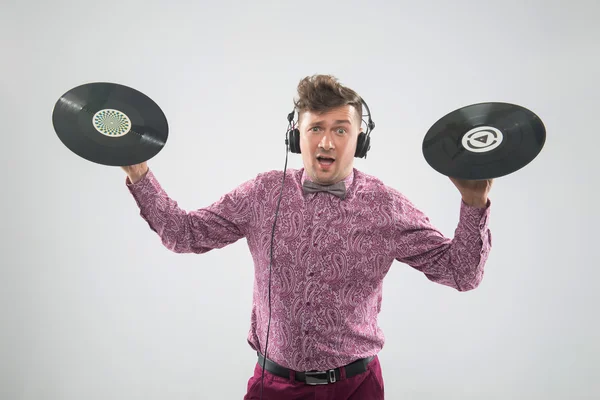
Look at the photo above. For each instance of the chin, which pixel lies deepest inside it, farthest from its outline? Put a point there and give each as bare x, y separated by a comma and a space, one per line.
325, 176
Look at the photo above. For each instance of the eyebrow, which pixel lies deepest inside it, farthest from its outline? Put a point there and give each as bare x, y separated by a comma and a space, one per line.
337, 122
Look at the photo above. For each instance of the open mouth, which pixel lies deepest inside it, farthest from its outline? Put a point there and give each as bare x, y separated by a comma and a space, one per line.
325, 161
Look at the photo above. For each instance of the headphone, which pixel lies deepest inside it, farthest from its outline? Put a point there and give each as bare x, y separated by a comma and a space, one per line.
362, 144
292, 143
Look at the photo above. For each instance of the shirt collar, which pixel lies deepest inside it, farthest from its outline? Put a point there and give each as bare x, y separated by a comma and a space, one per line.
347, 180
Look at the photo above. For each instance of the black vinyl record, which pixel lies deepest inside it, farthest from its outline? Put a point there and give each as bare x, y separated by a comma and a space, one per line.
110, 124
484, 141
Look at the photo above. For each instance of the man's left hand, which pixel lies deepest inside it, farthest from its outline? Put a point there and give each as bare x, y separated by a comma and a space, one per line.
474, 192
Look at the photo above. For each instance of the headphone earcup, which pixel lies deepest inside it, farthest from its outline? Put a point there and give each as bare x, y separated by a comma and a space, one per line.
295, 141
362, 145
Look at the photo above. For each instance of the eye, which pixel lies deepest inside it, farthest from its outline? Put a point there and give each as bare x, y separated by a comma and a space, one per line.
315, 129
341, 131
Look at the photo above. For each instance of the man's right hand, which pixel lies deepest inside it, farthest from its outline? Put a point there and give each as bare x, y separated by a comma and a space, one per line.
136, 172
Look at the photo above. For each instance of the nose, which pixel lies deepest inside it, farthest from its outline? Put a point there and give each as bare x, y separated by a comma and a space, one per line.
326, 143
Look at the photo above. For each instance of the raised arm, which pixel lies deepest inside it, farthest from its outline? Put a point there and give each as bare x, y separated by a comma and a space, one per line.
215, 226
456, 262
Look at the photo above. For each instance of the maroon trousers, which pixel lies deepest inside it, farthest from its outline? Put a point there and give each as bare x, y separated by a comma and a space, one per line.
365, 386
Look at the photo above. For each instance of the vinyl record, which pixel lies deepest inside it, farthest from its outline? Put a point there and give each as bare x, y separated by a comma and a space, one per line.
484, 141
110, 124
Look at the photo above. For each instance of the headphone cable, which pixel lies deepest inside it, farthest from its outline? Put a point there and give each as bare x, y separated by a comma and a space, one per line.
271, 260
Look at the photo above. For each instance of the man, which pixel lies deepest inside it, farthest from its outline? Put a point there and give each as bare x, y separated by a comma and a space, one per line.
331, 251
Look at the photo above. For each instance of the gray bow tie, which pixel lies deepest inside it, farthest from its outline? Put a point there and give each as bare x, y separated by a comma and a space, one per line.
337, 189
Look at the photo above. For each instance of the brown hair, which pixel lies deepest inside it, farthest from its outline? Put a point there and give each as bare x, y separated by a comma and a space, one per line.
321, 93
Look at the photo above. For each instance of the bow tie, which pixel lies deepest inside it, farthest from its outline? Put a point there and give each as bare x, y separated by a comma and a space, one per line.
337, 189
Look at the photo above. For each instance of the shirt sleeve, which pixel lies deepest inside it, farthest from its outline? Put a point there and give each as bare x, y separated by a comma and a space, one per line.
215, 226
457, 262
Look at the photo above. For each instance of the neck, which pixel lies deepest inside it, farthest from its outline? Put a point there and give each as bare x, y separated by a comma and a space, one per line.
314, 178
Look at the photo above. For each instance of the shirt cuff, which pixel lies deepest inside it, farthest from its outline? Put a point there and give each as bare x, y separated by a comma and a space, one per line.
145, 190
479, 216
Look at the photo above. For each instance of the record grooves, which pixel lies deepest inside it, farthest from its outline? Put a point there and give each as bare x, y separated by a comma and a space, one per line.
484, 141
110, 124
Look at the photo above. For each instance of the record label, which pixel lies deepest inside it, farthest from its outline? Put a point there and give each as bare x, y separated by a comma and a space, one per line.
112, 123
482, 139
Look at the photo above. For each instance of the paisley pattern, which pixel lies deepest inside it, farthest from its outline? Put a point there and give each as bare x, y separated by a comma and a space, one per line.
329, 260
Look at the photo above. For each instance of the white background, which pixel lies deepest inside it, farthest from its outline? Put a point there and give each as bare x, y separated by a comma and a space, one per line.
93, 307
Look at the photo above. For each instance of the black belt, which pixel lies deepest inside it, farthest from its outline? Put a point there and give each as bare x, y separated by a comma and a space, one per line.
316, 377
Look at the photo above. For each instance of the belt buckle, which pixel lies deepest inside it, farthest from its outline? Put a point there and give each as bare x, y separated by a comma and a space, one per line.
319, 377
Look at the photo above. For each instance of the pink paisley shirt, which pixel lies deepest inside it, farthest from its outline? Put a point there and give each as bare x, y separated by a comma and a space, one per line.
330, 257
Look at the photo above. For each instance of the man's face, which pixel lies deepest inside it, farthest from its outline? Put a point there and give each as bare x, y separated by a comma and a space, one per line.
326, 137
